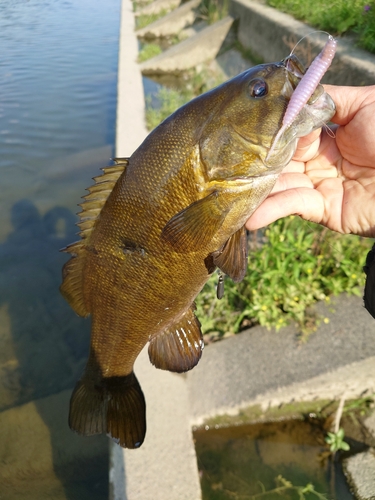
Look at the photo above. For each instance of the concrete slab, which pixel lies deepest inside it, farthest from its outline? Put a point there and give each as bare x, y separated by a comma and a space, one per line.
158, 6
201, 47
360, 470
165, 467
370, 423
172, 23
268, 368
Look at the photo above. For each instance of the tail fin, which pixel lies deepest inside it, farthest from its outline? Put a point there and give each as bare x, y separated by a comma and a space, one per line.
115, 406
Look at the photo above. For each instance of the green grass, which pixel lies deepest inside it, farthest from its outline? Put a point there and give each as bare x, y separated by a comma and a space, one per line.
146, 19
337, 17
170, 100
148, 51
300, 264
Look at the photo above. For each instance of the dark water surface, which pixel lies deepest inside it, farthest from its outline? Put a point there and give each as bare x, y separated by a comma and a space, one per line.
58, 79
243, 462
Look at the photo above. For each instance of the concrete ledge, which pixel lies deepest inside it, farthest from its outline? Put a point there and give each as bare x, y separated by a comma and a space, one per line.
199, 48
172, 23
361, 472
261, 367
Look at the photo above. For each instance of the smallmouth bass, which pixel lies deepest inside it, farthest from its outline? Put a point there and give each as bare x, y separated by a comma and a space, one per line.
156, 225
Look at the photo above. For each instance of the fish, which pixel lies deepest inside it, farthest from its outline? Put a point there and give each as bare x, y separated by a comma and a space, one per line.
157, 224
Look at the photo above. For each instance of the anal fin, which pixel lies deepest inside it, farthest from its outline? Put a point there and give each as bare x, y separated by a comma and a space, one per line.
232, 258
179, 348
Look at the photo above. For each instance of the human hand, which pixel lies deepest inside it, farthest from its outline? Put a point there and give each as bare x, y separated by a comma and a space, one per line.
331, 180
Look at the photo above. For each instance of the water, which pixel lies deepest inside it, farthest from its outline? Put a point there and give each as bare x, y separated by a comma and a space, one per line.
58, 78
241, 462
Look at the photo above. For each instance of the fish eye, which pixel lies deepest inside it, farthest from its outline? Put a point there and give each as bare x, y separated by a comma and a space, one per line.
258, 88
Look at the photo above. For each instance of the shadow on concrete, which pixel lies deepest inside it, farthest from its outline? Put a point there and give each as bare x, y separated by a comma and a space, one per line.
49, 342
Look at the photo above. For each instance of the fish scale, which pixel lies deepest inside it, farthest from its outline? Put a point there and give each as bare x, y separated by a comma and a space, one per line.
175, 211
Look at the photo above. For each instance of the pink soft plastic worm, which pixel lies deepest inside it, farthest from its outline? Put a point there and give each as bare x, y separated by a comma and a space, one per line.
307, 86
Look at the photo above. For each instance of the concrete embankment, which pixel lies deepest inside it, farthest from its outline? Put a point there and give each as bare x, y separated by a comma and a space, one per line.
270, 35
257, 367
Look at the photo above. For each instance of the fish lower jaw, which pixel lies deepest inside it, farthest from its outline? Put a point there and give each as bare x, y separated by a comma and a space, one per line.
236, 184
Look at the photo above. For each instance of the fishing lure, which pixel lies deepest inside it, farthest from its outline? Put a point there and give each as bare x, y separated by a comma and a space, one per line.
307, 87
220, 287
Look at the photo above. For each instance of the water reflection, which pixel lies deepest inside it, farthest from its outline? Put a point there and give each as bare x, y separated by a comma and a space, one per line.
57, 126
48, 349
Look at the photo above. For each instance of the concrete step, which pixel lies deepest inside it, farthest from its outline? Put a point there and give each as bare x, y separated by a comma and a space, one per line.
172, 23
158, 6
201, 47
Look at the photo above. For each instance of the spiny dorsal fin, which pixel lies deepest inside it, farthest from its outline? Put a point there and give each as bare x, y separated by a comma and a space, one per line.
98, 194
72, 285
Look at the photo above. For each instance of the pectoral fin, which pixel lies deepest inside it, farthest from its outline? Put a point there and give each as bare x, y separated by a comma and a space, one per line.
232, 259
195, 226
179, 348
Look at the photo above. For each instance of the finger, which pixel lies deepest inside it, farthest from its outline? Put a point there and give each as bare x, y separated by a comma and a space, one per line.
308, 203
291, 180
349, 100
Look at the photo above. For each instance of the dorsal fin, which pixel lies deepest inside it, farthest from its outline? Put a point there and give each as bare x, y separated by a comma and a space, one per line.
72, 285
98, 194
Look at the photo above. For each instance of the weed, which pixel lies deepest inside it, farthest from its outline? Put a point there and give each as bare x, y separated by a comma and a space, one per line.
300, 264
148, 51
146, 19
169, 99
213, 10
336, 441
283, 487
338, 18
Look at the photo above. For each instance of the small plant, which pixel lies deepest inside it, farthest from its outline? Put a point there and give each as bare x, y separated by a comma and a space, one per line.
336, 441
148, 51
